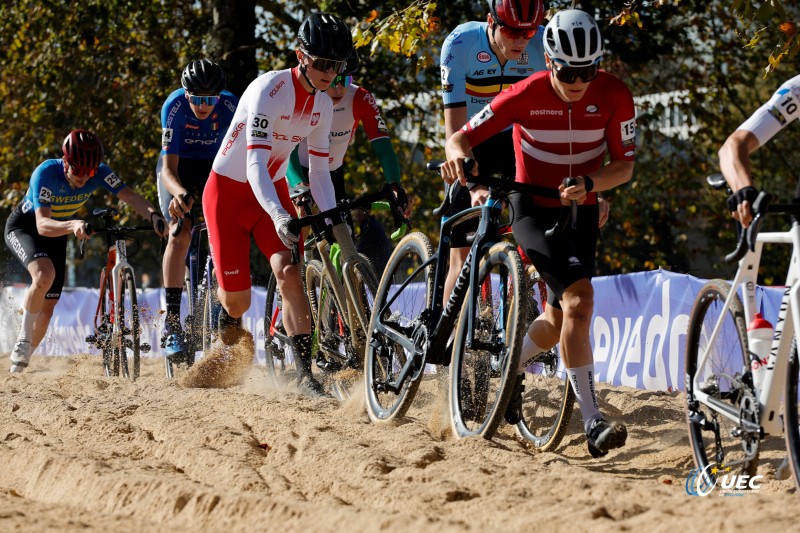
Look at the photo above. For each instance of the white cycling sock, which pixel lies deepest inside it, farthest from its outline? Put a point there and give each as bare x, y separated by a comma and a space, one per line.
528, 352
28, 319
582, 379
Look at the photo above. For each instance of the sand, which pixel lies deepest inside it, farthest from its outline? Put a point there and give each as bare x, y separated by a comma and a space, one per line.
79, 451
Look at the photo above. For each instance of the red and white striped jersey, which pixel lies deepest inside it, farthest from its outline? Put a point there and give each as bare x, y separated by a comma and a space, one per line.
554, 139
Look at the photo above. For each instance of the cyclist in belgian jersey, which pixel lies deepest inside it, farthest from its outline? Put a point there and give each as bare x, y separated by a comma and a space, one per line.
352, 105
478, 60
782, 109
193, 119
247, 195
37, 229
565, 121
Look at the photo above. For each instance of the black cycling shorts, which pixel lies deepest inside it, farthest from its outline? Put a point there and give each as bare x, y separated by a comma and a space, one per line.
563, 259
495, 156
24, 241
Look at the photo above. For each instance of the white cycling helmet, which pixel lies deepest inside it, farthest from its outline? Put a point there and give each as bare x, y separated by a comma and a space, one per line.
572, 38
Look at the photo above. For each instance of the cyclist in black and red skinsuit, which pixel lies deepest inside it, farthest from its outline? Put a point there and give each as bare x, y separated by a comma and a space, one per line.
565, 121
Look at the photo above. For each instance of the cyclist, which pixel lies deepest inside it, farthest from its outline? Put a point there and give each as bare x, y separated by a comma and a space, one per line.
478, 60
193, 118
37, 229
353, 104
565, 120
734, 156
247, 194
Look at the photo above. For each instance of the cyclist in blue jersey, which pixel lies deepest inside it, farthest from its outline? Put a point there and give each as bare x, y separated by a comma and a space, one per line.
478, 60
193, 119
37, 229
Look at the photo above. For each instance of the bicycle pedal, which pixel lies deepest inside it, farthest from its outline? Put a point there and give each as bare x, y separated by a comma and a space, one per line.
144, 347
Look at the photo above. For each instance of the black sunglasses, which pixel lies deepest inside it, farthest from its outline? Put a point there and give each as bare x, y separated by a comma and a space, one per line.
571, 74
323, 65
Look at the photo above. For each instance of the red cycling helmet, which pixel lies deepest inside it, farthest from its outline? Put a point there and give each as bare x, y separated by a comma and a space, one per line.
82, 150
517, 13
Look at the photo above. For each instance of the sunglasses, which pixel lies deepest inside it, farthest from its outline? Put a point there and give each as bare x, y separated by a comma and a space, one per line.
342, 80
516, 33
201, 100
82, 172
571, 74
324, 65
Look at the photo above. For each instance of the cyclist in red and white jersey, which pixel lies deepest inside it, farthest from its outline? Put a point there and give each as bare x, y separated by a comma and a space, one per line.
353, 104
782, 109
246, 194
566, 120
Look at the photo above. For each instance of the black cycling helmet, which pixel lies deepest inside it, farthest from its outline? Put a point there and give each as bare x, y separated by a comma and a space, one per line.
326, 36
203, 77
519, 14
82, 150
352, 64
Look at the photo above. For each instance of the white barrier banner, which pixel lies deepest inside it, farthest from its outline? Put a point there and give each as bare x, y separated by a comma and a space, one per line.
638, 333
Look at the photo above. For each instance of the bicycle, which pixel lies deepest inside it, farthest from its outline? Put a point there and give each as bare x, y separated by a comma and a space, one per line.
117, 329
411, 327
548, 400
340, 297
200, 323
722, 401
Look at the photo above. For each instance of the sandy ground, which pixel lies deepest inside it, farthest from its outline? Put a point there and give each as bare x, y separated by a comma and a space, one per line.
79, 451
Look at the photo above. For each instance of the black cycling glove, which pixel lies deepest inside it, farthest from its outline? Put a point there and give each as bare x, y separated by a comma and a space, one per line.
744, 194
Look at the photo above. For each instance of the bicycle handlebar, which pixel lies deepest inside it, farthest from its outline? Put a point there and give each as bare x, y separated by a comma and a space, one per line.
365, 201
567, 212
179, 227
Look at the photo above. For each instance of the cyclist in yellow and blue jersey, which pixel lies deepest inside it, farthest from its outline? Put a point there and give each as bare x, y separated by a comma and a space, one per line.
37, 229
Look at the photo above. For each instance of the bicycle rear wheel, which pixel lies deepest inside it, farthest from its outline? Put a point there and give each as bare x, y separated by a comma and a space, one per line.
791, 420
404, 318
279, 356
482, 374
548, 398
720, 376
364, 283
128, 315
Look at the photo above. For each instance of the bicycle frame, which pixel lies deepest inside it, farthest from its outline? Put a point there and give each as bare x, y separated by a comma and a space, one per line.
769, 396
486, 235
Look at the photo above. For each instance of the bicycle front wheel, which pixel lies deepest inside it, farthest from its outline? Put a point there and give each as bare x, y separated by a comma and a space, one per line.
128, 316
791, 421
548, 398
398, 328
482, 372
711, 434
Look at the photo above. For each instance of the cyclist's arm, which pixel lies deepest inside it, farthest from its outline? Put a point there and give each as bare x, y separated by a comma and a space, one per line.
145, 209
48, 227
319, 173
734, 159
294, 172
454, 119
